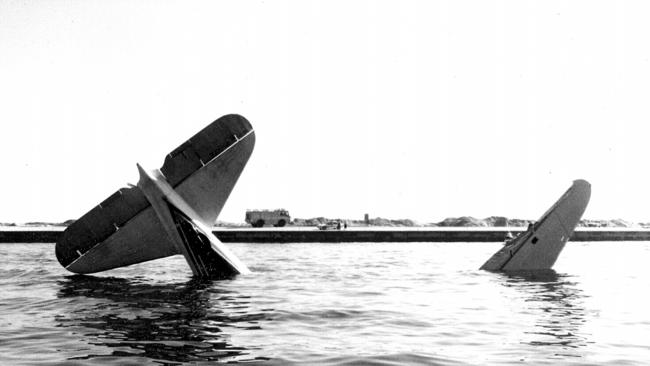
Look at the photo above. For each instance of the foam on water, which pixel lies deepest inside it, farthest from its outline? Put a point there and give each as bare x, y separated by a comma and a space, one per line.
331, 304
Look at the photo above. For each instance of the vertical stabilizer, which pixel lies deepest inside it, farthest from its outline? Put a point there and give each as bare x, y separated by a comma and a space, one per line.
206, 256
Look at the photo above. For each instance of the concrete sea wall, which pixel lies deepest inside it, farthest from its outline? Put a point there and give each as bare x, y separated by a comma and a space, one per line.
373, 235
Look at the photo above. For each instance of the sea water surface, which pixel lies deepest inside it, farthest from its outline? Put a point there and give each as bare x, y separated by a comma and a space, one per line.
331, 304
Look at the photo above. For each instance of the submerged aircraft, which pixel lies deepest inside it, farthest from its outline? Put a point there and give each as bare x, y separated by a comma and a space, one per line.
539, 247
170, 211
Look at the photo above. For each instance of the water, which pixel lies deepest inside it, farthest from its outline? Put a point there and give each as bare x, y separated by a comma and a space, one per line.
331, 304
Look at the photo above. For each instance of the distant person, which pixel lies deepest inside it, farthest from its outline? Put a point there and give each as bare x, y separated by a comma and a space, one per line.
338, 225
345, 224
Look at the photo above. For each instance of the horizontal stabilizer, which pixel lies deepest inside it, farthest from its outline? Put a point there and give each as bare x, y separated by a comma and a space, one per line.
100, 223
126, 229
205, 168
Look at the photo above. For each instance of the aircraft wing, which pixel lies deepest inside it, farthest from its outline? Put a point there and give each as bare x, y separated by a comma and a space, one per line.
540, 247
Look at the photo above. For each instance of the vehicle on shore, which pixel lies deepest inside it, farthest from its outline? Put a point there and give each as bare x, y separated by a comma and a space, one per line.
259, 218
332, 225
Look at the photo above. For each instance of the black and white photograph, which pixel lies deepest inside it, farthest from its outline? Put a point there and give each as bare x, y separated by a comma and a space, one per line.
327, 183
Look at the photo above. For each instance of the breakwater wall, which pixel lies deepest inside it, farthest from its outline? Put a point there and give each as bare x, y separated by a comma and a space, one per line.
311, 235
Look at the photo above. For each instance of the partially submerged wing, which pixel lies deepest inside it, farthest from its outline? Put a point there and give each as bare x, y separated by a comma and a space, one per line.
540, 247
124, 229
121, 230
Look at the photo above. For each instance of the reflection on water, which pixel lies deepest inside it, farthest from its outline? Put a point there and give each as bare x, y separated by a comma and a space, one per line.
348, 304
556, 304
179, 322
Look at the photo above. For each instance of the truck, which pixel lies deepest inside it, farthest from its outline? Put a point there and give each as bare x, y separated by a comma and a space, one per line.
259, 218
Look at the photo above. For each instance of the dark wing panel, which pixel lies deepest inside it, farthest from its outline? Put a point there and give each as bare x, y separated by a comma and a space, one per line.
123, 205
99, 223
201, 148
205, 169
143, 238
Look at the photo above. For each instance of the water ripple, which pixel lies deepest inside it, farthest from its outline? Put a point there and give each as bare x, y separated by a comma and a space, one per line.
348, 304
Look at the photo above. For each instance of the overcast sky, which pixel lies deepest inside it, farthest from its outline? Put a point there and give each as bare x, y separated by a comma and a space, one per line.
401, 109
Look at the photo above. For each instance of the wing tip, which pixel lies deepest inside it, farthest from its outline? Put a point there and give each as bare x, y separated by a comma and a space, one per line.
584, 187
